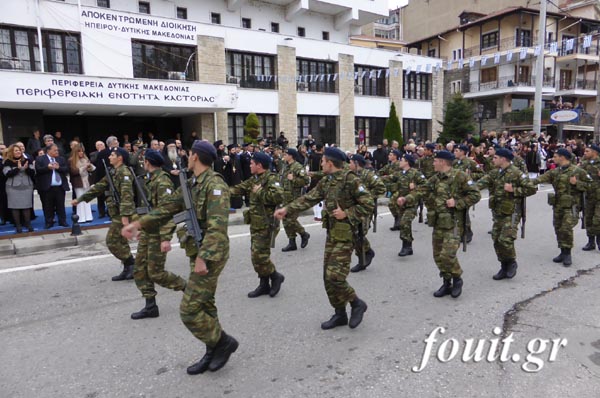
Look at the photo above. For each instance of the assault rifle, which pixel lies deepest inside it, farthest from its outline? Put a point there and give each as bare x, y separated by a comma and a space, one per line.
145, 207
375, 217
463, 237
523, 216
111, 186
188, 216
583, 210
421, 204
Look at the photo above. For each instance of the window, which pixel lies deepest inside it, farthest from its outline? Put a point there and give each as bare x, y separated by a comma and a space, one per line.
215, 18
301, 31
372, 127
419, 126
489, 75
181, 13
144, 7
370, 81
103, 3
523, 38
274, 27
489, 109
456, 54
416, 86
489, 40
455, 87
522, 74
246, 23
325, 35
19, 50
236, 122
251, 70
152, 60
431, 52
322, 128
317, 76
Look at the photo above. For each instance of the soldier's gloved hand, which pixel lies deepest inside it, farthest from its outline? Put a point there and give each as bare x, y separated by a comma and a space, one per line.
165, 246
200, 267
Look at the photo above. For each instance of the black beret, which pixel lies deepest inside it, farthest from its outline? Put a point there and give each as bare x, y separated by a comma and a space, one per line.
218, 143
505, 153
397, 153
121, 152
463, 148
430, 146
564, 152
595, 147
231, 146
170, 142
154, 158
444, 155
334, 153
409, 158
292, 151
262, 158
200, 146
360, 159
319, 147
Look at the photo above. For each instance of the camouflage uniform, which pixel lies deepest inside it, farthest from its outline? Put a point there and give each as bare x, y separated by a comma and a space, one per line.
519, 163
472, 169
344, 188
150, 260
592, 199
387, 176
406, 214
210, 195
425, 166
123, 181
293, 190
506, 211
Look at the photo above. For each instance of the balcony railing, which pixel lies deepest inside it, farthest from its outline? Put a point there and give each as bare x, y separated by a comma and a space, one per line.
578, 48
508, 81
579, 84
508, 43
523, 117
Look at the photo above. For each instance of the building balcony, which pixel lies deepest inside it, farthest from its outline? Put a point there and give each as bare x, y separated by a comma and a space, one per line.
578, 52
507, 43
508, 85
523, 117
577, 88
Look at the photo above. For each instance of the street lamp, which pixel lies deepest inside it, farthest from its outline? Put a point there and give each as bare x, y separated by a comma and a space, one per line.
481, 115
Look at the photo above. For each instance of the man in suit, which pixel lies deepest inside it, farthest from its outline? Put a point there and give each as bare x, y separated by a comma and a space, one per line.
52, 183
103, 154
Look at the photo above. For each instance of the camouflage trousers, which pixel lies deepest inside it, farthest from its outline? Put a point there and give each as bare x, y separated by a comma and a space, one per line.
366, 246
336, 267
197, 309
564, 221
407, 215
260, 250
117, 245
445, 245
292, 227
150, 267
393, 205
592, 217
504, 233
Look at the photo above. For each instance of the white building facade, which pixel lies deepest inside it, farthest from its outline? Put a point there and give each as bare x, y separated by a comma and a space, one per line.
167, 67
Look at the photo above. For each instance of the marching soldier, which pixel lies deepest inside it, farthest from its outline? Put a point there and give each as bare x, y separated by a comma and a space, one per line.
425, 163
293, 178
153, 247
210, 196
569, 183
386, 174
472, 169
376, 187
346, 203
266, 194
508, 187
591, 164
450, 192
121, 212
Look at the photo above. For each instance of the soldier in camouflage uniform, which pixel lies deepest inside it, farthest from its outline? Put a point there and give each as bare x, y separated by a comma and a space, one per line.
376, 187
346, 203
407, 180
136, 160
210, 195
472, 169
508, 186
591, 164
119, 215
488, 164
293, 178
570, 183
153, 247
519, 163
425, 164
266, 193
450, 193
387, 175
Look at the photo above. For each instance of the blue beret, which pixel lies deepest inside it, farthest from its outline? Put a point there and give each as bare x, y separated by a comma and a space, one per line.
463, 148
564, 152
595, 147
332, 153
292, 151
200, 146
397, 153
360, 159
444, 155
154, 157
430, 146
121, 152
409, 158
262, 158
505, 153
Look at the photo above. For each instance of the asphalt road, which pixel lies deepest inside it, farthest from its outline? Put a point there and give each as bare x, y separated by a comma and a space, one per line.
65, 329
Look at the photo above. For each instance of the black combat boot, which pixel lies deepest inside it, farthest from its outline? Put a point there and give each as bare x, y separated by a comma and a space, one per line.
305, 237
457, 284
359, 308
358, 267
223, 350
469, 235
406, 249
396, 226
202, 365
444, 290
263, 288
291, 246
127, 272
598, 241
567, 258
590, 245
560, 257
340, 318
502, 273
369, 256
149, 311
511, 268
276, 281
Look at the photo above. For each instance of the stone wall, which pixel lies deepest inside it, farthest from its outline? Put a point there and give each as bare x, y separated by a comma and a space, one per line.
345, 123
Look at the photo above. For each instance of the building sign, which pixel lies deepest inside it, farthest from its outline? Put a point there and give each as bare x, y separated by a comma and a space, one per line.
31, 88
564, 116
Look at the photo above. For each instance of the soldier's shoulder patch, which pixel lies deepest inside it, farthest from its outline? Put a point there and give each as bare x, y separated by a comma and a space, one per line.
217, 192
375, 177
126, 178
361, 188
588, 176
277, 184
524, 175
470, 182
168, 191
423, 176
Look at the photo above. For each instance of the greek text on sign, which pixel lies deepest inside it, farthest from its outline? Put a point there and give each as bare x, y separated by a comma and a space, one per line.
564, 116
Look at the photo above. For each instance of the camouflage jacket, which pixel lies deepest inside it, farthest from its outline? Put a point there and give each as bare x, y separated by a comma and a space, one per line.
159, 189
262, 202
567, 195
372, 182
425, 165
592, 168
404, 178
293, 188
210, 195
387, 172
469, 166
123, 181
437, 190
505, 203
519, 163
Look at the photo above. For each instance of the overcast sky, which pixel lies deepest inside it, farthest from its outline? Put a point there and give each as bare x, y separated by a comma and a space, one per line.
397, 3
